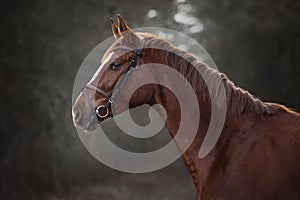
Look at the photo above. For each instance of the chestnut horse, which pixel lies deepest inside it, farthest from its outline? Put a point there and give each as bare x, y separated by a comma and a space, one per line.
258, 153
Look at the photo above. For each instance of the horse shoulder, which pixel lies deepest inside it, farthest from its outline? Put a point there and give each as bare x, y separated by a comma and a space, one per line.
259, 158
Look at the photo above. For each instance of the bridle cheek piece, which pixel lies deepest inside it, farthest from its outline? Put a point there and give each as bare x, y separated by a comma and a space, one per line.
102, 111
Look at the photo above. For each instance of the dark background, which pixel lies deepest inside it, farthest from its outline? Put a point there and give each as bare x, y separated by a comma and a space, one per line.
256, 43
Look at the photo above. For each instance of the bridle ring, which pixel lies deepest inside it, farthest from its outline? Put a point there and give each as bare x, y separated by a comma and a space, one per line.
98, 111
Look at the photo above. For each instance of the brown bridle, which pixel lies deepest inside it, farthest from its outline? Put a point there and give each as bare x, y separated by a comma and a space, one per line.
110, 96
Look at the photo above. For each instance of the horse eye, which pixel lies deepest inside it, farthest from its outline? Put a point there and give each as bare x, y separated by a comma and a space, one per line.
115, 66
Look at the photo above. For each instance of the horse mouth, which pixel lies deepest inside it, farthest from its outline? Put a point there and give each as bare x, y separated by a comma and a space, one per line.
80, 122
89, 127
87, 124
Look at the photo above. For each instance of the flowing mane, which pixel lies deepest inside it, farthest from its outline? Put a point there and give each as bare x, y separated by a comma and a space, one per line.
239, 101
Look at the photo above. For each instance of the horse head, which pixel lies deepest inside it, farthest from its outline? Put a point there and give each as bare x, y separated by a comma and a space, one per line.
124, 57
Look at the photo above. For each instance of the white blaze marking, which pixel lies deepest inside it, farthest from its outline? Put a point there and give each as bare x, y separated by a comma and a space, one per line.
100, 67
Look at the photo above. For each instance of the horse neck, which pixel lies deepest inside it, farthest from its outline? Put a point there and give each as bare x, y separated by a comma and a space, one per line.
239, 104
167, 99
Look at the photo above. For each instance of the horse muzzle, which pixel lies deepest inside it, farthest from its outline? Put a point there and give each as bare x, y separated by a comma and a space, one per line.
86, 115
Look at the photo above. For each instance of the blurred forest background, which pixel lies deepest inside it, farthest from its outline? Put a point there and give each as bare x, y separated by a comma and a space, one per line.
256, 43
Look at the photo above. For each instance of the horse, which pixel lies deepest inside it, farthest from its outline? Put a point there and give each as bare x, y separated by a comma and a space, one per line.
258, 153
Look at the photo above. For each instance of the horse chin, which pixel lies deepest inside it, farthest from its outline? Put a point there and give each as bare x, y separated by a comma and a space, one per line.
90, 126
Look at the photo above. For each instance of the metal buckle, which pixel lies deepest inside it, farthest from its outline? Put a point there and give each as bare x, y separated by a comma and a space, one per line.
98, 111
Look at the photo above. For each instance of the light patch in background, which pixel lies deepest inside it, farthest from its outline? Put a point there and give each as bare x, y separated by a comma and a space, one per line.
185, 16
152, 13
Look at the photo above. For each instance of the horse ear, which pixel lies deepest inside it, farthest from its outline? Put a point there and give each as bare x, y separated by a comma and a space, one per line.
114, 29
125, 31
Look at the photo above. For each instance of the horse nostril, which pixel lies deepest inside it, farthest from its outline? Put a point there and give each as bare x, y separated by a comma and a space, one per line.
77, 115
